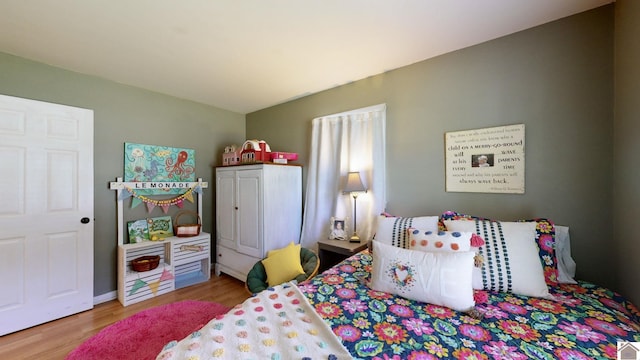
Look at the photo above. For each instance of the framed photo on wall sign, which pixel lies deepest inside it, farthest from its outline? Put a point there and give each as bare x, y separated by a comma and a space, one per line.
489, 160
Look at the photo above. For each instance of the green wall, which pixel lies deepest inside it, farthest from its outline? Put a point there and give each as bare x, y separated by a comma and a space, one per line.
627, 148
557, 79
126, 114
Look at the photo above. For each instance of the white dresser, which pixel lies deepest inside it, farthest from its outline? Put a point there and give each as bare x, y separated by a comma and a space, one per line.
258, 208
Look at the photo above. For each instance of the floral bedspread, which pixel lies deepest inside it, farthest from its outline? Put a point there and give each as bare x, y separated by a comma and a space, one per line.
585, 322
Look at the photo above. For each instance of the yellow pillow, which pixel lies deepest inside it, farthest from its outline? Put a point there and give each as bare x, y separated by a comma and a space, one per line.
283, 265
291, 244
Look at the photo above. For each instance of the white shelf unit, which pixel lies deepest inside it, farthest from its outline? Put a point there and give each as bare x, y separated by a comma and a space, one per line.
184, 261
129, 278
192, 259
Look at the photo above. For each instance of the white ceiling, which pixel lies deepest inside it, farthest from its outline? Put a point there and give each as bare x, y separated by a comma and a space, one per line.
246, 55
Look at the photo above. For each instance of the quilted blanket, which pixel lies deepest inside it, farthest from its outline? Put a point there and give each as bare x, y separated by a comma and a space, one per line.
278, 323
585, 322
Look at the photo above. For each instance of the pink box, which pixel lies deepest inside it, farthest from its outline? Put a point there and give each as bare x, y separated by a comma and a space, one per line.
284, 155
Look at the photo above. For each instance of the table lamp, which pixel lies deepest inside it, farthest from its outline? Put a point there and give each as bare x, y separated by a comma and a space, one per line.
354, 187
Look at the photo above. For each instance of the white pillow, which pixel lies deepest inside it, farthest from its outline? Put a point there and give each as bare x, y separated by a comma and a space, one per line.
566, 264
438, 241
443, 278
393, 230
511, 262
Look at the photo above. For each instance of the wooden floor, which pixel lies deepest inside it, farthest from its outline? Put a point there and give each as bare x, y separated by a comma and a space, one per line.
54, 340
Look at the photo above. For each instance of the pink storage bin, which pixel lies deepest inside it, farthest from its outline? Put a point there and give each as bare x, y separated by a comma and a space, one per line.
284, 155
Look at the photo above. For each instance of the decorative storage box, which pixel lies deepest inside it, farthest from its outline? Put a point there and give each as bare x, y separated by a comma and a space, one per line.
284, 155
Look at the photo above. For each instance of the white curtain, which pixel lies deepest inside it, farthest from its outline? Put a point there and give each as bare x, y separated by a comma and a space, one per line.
349, 141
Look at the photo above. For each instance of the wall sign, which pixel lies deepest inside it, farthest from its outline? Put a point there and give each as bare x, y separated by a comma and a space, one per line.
489, 160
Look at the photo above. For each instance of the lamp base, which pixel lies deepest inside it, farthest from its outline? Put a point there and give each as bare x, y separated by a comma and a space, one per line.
354, 238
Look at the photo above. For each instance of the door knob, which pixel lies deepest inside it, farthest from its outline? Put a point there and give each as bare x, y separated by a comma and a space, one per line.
85, 220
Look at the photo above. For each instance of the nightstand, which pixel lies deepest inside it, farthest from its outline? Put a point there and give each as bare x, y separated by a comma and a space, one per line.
332, 252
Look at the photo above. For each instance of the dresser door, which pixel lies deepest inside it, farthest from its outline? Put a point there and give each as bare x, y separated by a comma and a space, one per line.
249, 216
226, 209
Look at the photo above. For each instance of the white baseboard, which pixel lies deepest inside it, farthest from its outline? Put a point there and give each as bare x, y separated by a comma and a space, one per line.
105, 297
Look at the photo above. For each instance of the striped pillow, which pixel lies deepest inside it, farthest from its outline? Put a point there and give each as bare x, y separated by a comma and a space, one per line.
511, 262
393, 230
545, 240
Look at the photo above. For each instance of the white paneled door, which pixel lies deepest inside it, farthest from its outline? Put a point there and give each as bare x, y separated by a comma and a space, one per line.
46, 212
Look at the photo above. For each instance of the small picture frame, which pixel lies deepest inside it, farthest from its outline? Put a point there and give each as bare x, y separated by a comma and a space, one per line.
338, 229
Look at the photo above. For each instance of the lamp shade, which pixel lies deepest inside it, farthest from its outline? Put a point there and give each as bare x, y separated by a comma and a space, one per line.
354, 183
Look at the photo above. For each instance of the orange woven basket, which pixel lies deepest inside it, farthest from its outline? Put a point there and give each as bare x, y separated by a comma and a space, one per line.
145, 263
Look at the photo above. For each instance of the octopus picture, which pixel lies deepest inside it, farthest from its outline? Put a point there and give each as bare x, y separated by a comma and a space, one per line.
155, 163
178, 169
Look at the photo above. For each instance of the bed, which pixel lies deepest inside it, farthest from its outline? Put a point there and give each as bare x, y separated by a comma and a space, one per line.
338, 314
585, 322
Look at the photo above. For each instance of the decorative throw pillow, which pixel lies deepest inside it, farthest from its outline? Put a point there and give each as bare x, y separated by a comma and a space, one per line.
545, 241
393, 230
283, 265
511, 262
438, 241
442, 278
286, 248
